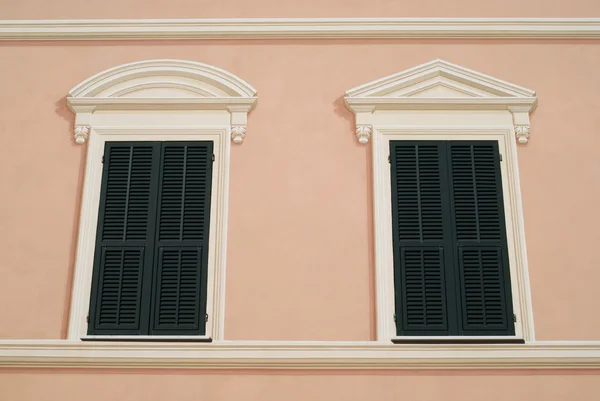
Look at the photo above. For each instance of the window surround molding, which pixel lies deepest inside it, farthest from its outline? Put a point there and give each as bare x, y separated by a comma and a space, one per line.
185, 123
157, 100
442, 101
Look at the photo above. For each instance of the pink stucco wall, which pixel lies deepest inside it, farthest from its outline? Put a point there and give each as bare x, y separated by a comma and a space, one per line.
186, 385
300, 256
300, 263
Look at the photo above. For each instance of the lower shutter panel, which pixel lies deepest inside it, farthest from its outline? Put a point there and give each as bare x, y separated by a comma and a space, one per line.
483, 292
178, 288
182, 239
120, 288
423, 289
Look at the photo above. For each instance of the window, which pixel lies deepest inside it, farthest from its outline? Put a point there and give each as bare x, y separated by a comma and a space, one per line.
450, 252
150, 263
152, 240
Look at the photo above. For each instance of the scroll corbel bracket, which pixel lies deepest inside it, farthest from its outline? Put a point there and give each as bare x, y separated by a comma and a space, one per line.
81, 133
83, 122
363, 133
522, 133
364, 122
238, 133
521, 123
239, 120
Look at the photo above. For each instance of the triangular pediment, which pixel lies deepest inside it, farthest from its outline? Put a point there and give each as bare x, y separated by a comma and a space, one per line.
438, 87
439, 79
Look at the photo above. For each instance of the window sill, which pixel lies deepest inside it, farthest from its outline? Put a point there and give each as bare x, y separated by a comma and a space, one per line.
457, 340
204, 339
298, 355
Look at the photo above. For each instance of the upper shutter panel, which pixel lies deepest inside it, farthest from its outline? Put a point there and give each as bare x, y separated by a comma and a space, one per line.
421, 238
477, 191
418, 192
182, 238
480, 233
124, 238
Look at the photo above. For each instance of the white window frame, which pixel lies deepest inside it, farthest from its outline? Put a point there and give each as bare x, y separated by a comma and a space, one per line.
157, 100
442, 101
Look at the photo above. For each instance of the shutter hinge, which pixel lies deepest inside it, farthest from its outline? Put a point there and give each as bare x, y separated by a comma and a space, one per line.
515, 318
500, 156
213, 159
394, 317
206, 318
102, 159
87, 319
389, 160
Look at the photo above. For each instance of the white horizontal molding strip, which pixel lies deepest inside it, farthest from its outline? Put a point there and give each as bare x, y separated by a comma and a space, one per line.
284, 28
297, 355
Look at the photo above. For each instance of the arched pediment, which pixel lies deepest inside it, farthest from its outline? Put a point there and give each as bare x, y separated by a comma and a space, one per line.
162, 85
157, 78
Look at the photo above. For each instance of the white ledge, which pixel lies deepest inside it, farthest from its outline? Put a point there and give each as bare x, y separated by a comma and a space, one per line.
285, 28
165, 103
297, 355
497, 103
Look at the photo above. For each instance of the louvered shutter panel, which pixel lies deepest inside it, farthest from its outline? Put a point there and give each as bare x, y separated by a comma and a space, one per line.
422, 246
124, 243
179, 292
480, 235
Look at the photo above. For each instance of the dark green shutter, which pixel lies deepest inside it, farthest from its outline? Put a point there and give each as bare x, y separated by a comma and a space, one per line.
450, 263
480, 235
182, 239
422, 250
151, 257
124, 244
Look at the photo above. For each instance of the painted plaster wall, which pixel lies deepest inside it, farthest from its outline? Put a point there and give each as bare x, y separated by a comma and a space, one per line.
182, 385
300, 256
